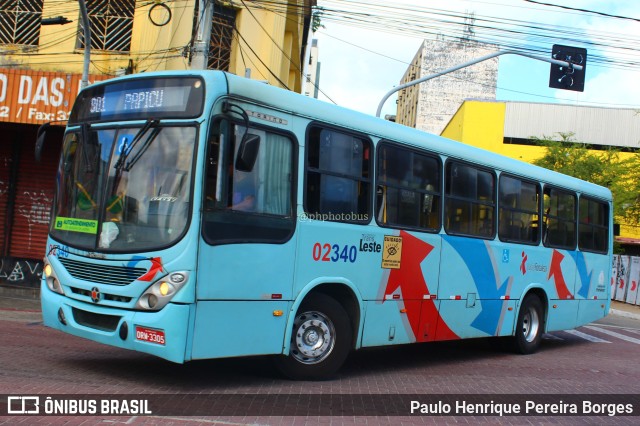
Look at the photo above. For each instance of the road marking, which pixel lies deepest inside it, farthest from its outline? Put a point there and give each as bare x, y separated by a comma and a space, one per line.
547, 336
614, 334
128, 422
195, 419
586, 336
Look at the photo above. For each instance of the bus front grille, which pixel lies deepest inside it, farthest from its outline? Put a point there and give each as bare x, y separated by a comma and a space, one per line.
109, 297
101, 274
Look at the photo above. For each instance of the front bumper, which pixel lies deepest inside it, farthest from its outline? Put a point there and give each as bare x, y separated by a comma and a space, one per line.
117, 327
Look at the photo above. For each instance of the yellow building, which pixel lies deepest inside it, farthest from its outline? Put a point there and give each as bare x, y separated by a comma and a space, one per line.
129, 36
507, 128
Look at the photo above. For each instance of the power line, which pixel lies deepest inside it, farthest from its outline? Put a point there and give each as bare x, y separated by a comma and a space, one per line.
626, 51
617, 49
261, 61
607, 49
584, 10
283, 52
248, 56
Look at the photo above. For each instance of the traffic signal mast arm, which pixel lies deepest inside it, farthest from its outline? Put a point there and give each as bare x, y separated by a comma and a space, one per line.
467, 64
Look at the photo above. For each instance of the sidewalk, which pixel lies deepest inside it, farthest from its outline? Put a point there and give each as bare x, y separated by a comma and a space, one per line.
13, 301
21, 305
625, 310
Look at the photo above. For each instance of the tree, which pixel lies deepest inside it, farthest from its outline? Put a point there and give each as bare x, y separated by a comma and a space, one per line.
608, 168
316, 18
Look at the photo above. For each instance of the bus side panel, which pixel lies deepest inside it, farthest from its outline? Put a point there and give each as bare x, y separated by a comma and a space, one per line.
594, 275
562, 276
477, 318
560, 285
473, 288
521, 267
236, 328
508, 314
396, 273
562, 315
348, 252
461, 315
591, 310
387, 322
245, 271
412, 265
331, 253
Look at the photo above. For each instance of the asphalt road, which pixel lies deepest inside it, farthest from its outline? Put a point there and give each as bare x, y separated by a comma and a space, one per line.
596, 363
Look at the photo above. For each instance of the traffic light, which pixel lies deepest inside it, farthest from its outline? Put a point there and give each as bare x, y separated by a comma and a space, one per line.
565, 77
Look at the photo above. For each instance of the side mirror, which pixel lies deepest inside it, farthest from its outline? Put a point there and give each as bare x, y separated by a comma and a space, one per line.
42, 135
248, 152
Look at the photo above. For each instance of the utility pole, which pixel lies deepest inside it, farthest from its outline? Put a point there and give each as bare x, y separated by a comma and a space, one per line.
87, 44
473, 62
199, 60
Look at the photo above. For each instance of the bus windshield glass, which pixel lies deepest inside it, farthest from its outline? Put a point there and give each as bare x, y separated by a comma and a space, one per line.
124, 189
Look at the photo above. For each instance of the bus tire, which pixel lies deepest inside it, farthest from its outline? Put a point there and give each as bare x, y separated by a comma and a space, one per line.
530, 325
320, 342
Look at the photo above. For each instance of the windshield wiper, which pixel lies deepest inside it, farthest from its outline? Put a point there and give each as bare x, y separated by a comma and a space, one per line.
126, 149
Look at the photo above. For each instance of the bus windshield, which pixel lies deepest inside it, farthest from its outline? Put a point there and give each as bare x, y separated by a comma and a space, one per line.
124, 189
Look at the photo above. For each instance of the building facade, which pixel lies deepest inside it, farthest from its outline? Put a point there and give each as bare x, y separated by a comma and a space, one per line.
312, 76
42, 45
509, 128
430, 105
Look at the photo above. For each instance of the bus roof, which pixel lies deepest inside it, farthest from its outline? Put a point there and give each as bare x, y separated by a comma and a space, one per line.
314, 109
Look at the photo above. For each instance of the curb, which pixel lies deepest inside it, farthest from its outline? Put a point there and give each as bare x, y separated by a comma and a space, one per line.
624, 314
20, 292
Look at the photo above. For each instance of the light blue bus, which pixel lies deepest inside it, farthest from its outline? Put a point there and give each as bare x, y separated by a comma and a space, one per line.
204, 215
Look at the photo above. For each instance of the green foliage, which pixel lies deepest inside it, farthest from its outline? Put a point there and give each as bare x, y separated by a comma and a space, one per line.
621, 174
316, 17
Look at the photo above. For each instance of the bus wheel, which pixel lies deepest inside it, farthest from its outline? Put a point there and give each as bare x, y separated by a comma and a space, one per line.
320, 342
530, 325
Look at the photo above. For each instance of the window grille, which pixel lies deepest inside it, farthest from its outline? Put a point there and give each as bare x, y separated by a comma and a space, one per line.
111, 25
20, 22
223, 25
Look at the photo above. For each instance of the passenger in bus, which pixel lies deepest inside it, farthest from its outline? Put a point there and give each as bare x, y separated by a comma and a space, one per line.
244, 191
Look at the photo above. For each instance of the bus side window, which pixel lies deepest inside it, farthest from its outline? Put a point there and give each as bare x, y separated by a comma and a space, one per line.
338, 181
408, 188
593, 225
560, 219
518, 214
469, 200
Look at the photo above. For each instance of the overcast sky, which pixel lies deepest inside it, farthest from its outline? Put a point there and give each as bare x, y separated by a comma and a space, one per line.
359, 66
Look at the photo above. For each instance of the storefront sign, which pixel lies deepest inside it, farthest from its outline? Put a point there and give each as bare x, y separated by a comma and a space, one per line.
36, 97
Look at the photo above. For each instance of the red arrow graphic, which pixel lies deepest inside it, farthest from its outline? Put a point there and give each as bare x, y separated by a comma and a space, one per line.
555, 271
156, 266
413, 286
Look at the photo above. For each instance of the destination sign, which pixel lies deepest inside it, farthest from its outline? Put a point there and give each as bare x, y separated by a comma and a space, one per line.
174, 97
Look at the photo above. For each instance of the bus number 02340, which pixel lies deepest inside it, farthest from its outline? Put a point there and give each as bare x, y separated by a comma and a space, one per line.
334, 253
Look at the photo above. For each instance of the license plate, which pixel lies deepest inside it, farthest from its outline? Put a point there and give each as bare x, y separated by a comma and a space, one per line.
150, 335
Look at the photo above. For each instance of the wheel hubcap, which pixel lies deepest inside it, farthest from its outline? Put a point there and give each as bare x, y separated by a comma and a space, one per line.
314, 337
530, 325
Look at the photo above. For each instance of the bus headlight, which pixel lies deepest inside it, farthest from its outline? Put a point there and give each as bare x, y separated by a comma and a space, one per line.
51, 278
162, 291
